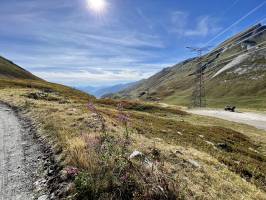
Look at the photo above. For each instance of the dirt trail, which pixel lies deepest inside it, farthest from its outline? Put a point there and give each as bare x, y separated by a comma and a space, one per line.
253, 119
19, 157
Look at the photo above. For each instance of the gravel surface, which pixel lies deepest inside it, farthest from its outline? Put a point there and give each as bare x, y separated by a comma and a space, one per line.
253, 119
20, 156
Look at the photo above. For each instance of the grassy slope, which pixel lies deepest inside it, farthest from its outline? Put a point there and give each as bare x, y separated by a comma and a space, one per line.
11, 70
67, 124
174, 85
151, 125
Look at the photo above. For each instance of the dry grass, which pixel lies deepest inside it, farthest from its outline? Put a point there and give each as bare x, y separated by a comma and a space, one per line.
69, 126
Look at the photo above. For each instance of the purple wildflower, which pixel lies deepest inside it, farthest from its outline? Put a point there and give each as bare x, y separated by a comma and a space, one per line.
91, 107
123, 118
72, 171
125, 177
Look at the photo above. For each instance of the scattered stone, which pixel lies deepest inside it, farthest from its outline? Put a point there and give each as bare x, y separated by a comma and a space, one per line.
251, 149
142, 157
43, 197
210, 143
179, 133
201, 136
194, 163
136, 154
63, 175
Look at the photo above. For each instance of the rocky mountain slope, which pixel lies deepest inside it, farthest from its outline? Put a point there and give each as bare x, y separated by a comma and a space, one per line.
234, 74
10, 70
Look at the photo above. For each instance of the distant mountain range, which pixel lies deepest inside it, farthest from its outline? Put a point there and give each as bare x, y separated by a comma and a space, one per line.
235, 73
106, 90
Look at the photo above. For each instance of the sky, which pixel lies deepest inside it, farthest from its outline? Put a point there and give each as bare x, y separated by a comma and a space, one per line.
72, 43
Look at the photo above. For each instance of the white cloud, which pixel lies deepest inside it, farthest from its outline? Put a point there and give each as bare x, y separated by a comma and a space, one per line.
93, 77
204, 25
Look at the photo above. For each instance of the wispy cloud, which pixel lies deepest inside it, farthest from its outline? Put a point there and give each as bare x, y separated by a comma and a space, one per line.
94, 77
203, 26
75, 46
62, 42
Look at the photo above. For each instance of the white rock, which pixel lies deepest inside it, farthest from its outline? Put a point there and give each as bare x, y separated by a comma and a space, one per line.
135, 154
43, 197
194, 163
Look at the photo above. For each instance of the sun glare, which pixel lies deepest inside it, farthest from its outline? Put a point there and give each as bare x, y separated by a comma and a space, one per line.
97, 5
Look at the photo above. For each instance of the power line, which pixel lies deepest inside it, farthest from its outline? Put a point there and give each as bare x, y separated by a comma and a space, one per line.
243, 50
227, 61
235, 23
198, 94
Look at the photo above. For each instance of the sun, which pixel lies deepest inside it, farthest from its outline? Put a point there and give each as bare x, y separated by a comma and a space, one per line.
97, 5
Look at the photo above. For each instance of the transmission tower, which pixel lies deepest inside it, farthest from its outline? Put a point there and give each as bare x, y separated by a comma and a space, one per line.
198, 95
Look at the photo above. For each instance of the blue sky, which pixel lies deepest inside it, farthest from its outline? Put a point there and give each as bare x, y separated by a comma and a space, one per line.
65, 41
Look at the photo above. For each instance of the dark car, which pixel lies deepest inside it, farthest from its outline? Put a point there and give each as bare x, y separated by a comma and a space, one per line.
230, 108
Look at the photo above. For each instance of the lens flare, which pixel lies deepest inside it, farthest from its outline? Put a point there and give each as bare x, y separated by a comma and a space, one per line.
97, 6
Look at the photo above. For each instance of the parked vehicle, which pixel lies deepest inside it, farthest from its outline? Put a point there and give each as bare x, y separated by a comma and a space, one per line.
230, 108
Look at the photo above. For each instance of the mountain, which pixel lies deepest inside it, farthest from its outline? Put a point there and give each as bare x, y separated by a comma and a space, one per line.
10, 70
13, 76
106, 90
234, 73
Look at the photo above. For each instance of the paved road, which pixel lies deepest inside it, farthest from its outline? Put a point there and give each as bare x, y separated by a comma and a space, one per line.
253, 119
19, 157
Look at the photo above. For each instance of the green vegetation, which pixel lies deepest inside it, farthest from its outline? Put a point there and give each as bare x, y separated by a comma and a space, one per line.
181, 156
11, 70
245, 81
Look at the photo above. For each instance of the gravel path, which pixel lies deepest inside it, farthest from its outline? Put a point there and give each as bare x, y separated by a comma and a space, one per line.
253, 119
19, 157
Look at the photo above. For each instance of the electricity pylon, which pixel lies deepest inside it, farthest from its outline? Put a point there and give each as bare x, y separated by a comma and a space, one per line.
198, 95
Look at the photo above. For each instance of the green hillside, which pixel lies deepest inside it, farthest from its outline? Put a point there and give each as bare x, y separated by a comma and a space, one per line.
243, 83
10, 70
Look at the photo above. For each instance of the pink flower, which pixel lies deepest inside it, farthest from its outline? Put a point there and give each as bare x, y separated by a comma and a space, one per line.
72, 171
123, 117
91, 107
125, 177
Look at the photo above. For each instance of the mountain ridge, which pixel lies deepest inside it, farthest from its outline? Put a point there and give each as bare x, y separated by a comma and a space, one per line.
174, 85
8, 69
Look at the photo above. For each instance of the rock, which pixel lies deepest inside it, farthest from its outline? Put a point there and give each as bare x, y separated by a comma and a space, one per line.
63, 175
201, 136
179, 133
43, 197
194, 163
210, 143
135, 154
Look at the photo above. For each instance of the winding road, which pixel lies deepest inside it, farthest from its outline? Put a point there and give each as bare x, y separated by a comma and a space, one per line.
19, 157
253, 119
